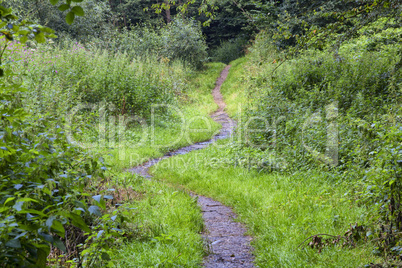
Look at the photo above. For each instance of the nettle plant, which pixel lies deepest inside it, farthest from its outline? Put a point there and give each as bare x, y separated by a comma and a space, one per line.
47, 186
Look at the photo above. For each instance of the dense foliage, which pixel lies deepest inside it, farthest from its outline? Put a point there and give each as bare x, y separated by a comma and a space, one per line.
339, 112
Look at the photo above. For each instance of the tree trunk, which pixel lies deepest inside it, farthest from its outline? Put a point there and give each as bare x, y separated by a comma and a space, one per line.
167, 12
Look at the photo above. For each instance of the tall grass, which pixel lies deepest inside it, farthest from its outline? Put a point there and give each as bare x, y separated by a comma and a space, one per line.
63, 77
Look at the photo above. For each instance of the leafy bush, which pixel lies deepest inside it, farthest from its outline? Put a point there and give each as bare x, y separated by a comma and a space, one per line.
181, 40
136, 42
46, 189
95, 23
361, 83
229, 51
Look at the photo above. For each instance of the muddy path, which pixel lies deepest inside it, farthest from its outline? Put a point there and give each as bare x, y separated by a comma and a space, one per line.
227, 243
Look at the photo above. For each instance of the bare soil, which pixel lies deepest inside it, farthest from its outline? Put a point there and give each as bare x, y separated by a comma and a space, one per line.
227, 243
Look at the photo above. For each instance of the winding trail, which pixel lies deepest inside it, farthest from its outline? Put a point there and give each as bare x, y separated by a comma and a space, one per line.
227, 242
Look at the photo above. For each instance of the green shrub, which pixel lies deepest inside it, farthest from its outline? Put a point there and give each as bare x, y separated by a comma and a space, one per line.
229, 50
360, 82
181, 40
95, 23
47, 187
184, 40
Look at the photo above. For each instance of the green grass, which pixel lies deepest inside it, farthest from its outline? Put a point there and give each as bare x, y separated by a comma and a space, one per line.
234, 90
169, 223
280, 211
202, 84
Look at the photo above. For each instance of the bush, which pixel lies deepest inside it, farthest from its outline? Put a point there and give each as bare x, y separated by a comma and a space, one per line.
183, 40
360, 82
47, 187
95, 23
229, 50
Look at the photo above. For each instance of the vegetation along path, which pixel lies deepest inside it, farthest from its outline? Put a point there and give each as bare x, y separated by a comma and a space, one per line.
226, 238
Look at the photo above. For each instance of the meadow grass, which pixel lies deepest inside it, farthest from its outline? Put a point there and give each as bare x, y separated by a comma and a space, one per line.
234, 90
169, 223
280, 211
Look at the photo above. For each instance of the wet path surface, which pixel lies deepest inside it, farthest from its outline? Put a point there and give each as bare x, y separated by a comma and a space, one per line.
227, 243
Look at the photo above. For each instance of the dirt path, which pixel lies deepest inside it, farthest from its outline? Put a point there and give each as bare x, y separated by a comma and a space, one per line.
227, 242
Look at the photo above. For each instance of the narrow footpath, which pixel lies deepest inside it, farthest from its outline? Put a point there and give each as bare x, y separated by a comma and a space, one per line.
227, 243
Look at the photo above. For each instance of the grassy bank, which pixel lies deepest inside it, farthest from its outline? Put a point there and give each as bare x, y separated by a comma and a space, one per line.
280, 211
234, 90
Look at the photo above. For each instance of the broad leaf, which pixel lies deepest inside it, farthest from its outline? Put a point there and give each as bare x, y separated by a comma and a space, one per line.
78, 11
70, 17
95, 210
15, 243
64, 7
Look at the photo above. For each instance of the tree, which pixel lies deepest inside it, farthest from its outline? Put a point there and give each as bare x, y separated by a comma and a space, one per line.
307, 23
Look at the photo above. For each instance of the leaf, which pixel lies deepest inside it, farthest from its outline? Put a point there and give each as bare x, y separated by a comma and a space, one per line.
9, 199
33, 211
59, 244
40, 37
53, 224
18, 206
64, 7
97, 197
54, 2
77, 221
49, 222
99, 233
43, 252
47, 237
80, 209
95, 210
15, 243
18, 186
78, 11
79, 204
27, 199
70, 17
